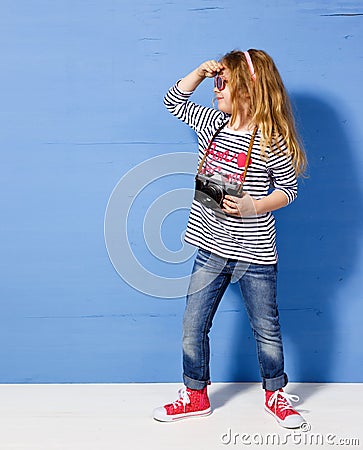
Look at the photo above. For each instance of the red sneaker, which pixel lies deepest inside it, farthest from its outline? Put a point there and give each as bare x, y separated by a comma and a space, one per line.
191, 403
278, 404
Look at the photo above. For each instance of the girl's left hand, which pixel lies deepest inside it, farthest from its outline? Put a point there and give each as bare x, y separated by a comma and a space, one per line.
244, 206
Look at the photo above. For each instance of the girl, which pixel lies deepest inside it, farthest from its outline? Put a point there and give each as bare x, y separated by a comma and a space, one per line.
237, 242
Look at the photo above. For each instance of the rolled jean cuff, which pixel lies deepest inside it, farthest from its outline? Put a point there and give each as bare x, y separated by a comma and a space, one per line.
273, 384
194, 384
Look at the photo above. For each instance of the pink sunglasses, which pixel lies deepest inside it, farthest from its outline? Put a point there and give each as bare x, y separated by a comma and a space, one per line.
219, 82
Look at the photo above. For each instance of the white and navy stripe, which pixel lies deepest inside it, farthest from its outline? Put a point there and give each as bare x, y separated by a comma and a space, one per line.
251, 239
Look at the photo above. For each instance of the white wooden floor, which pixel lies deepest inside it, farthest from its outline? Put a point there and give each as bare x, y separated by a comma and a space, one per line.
119, 416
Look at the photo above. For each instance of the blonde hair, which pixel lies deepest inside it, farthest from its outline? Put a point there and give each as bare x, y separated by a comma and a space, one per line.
269, 107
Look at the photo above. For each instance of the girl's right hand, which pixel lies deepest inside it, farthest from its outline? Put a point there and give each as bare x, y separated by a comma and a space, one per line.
209, 69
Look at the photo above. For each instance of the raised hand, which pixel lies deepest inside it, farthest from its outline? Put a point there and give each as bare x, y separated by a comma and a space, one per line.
209, 69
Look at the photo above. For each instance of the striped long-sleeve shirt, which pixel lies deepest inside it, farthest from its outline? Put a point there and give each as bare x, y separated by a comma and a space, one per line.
250, 239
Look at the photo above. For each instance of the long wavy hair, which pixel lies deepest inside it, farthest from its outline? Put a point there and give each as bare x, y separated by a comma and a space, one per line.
269, 105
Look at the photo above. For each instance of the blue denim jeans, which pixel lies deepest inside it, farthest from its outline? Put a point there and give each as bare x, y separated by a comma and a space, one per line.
209, 280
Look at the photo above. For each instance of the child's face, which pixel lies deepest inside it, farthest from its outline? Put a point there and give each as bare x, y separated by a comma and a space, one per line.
224, 95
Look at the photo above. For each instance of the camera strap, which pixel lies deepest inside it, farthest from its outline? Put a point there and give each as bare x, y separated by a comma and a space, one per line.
209, 146
248, 157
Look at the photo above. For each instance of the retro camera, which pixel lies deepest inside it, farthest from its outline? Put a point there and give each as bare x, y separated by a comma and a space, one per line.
210, 190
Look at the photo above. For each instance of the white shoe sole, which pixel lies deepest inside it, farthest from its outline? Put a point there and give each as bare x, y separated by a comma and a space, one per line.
294, 421
161, 416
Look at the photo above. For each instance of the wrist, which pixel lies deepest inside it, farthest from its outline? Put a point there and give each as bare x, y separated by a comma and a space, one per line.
200, 73
276, 200
259, 206
191, 81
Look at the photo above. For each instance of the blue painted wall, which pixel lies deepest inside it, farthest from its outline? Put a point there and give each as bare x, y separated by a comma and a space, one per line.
81, 105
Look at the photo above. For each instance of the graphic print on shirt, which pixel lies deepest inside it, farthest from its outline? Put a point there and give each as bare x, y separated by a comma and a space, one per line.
214, 157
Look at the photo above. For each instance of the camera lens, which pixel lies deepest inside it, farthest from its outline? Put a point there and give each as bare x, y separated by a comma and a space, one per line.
213, 196
208, 192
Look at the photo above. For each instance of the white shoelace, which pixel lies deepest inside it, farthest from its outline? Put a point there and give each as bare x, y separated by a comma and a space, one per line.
183, 398
282, 400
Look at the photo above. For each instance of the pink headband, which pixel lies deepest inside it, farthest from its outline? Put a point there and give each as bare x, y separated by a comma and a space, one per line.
250, 65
